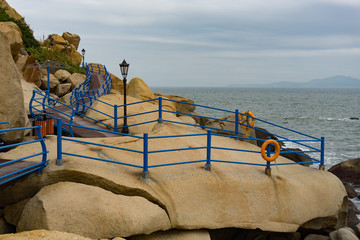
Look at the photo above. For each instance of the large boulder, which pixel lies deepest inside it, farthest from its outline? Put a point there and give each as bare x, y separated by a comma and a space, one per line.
11, 95
11, 11
28, 89
175, 235
117, 83
42, 235
91, 212
62, 89
137, 88
62, 75
75, 79
72, 38
31, 70
57, 40
14, 35
228, 196
348, 171
54, 82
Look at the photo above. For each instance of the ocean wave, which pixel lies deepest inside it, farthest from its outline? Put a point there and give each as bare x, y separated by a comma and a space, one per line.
348, 119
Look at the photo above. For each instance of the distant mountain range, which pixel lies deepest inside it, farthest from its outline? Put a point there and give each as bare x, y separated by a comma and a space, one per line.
330, 82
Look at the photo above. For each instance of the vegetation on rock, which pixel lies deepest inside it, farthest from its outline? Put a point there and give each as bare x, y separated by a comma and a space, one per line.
43, 53
27, 34
34, 48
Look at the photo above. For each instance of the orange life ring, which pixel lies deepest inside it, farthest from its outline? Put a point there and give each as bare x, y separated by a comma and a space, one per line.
263, 150
252, 123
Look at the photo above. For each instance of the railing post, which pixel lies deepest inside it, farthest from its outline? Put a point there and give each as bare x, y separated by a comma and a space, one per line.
43, 147
322, 154
268, 153
145, 172
115, 118
236, 122
59, 160
160, 120
208, 151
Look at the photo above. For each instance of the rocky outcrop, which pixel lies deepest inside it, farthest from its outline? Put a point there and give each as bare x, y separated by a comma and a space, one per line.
54, 82
14, 36
117, 83
181, 104
42, 235
348, 171
175, 235
228, 196
75, 79
11, 11
62, 75
68, 46
11, 95
102, 214
137, 88
72, 39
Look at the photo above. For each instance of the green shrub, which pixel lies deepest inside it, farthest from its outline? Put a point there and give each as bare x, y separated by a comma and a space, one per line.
43, 54
28, 38
32, 46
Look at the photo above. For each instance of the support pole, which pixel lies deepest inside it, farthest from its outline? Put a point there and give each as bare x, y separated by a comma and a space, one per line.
59, 160
48, 79
322, 154
160, 120
268, 153
145, 172
125, 127
115, 118
208, 151
236, 122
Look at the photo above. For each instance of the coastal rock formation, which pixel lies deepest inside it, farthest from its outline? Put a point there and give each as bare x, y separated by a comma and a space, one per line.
53, 82
178, 105
72, 38
175, 235
11, 11
103, 214
11, 96
348, 171
62, 75
13, 34
228, 196
75, 79
42, 235
61, 44
137, 88
31, 74
117, 83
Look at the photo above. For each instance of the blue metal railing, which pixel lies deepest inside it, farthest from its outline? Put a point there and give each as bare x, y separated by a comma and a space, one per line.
41, 105
84, 98
208, 160
81, 100
235, 131
14, 174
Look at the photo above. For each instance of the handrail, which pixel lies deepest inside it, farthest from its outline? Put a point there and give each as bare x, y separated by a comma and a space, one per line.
37, 113
146, 152
29, 169
84, 98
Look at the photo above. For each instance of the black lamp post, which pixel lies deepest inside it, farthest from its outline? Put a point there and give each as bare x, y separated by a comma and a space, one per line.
124, 67
83, 55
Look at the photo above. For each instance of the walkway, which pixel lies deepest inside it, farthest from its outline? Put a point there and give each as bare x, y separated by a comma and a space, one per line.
96, 82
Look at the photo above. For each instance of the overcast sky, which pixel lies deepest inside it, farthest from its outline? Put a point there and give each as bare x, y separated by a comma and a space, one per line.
208, 42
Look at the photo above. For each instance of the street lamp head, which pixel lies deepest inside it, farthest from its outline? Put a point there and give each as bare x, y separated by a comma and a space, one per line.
124, 67
83, 51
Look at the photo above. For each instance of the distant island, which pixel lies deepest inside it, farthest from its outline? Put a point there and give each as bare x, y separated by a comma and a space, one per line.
330, 82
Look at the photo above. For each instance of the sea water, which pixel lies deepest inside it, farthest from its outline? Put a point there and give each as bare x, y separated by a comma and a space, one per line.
317, 112
329, 113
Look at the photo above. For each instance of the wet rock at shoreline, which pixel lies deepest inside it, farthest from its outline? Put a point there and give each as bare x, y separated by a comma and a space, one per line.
348, 171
